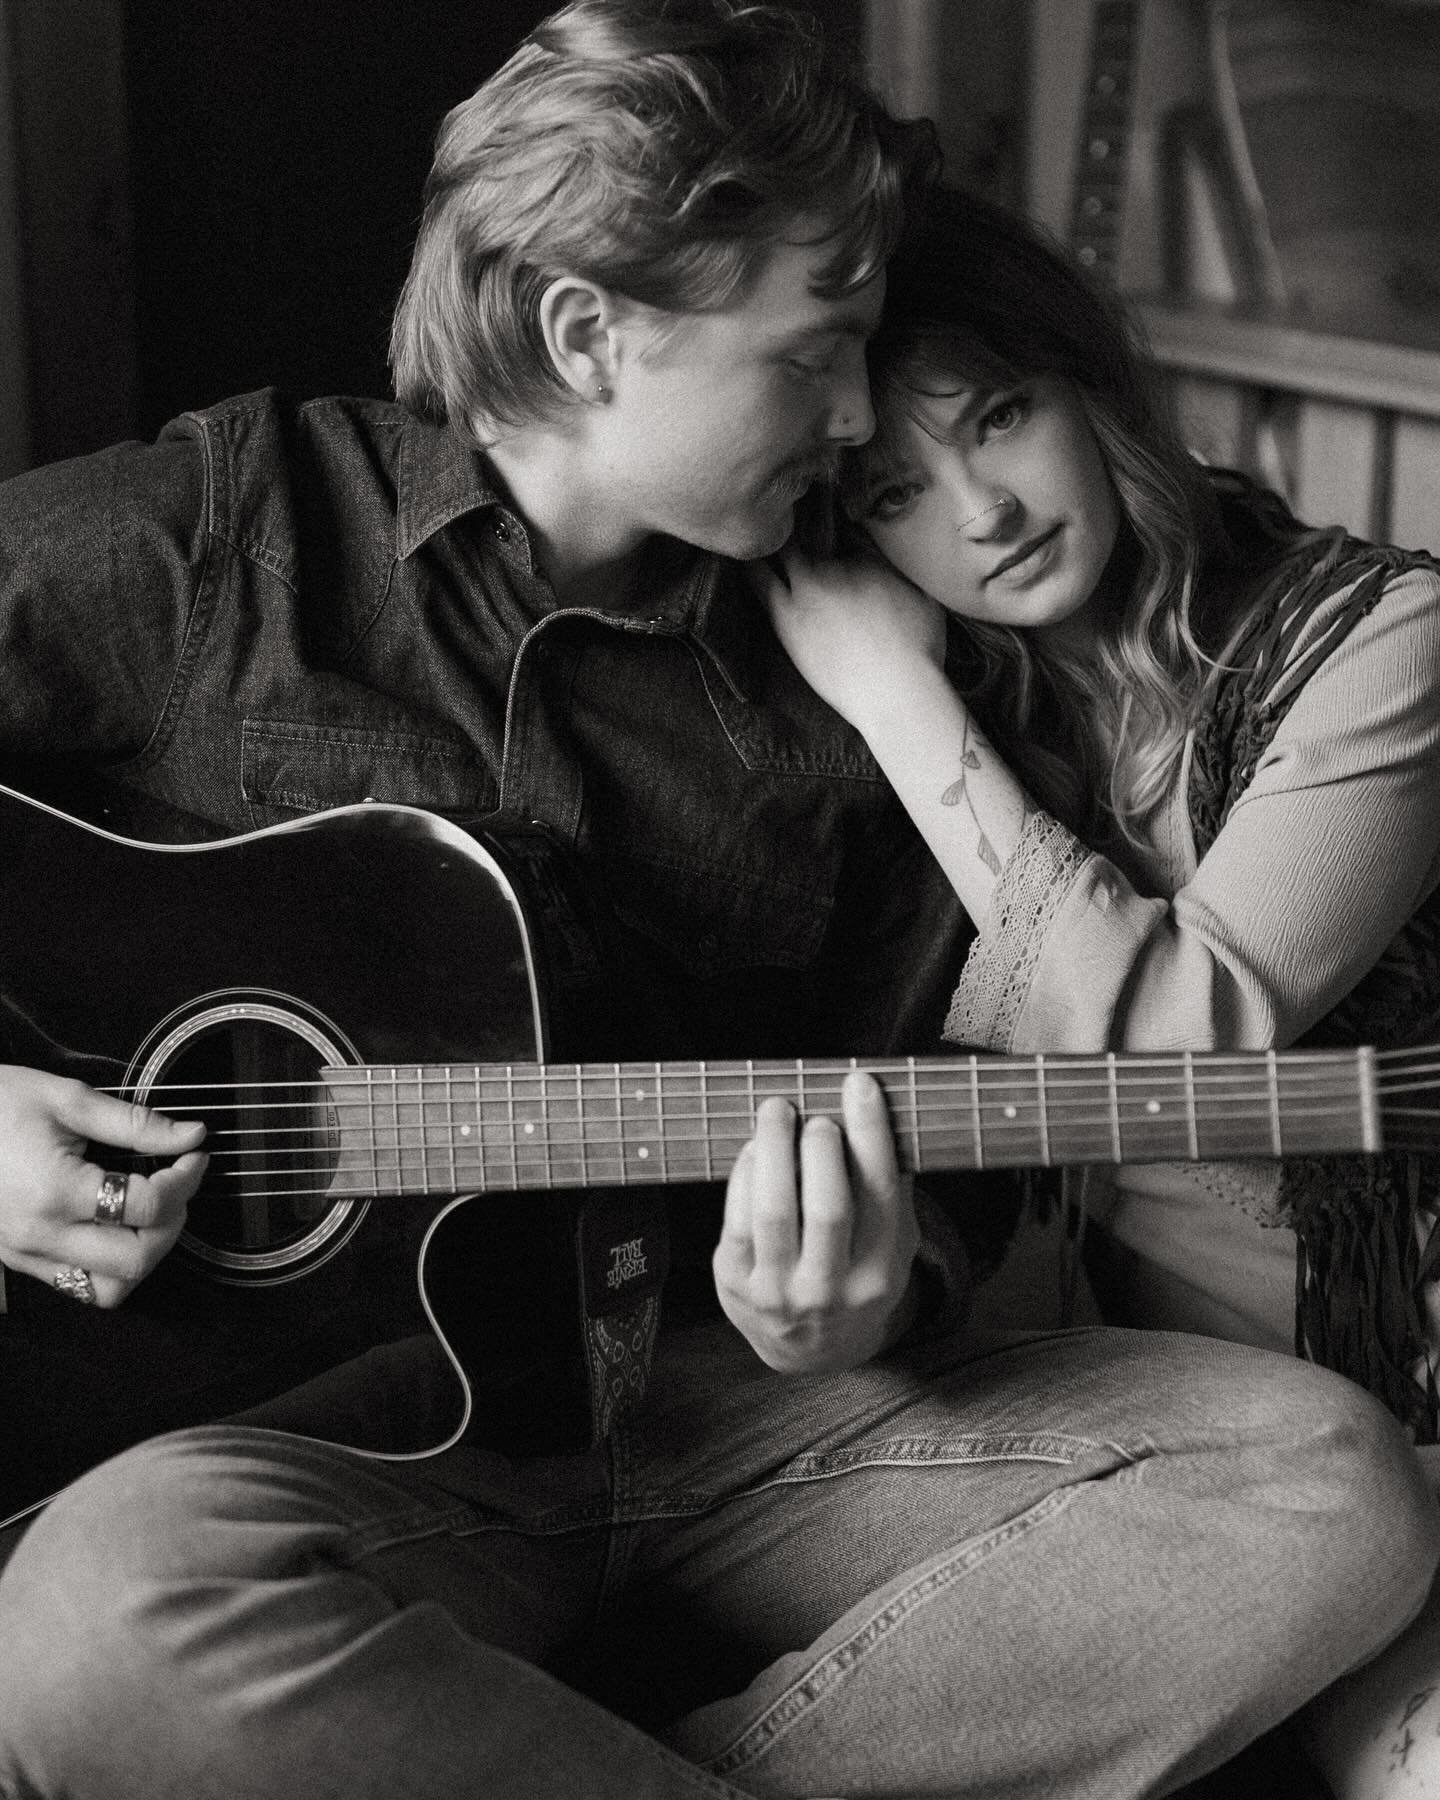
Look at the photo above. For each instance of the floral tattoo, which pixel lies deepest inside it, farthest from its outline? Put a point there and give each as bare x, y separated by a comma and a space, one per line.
958, 793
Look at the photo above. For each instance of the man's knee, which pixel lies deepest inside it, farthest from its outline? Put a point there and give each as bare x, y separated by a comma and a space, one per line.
70, 1660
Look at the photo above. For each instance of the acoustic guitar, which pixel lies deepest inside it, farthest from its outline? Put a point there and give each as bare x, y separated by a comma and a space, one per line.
352, 1004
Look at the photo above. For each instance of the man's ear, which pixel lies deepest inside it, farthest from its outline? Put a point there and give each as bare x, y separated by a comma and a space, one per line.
581, 320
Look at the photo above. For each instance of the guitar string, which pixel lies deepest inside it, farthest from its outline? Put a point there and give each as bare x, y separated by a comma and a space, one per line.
1054, 1069
1072, 1093
531, 1155
437, 1090
567, 1108
1058, 1089
1299, 1104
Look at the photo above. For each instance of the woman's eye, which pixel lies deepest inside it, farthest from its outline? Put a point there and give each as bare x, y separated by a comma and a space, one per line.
1005, 415
891, 501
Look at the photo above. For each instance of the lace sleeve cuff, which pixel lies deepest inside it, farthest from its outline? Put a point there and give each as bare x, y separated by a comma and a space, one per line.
1038, 875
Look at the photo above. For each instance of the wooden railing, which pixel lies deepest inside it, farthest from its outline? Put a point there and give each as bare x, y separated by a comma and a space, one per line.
1347, 429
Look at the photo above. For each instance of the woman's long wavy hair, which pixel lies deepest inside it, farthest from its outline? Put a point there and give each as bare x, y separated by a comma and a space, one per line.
977, 297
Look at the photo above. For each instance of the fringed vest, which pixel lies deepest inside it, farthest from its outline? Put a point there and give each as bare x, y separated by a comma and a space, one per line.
1369, 1243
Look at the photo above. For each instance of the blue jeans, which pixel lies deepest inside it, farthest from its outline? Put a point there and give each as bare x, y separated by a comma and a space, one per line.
1093, 1563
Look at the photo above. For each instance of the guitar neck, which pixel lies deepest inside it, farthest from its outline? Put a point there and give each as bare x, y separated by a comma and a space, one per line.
437, 1128
1099, 185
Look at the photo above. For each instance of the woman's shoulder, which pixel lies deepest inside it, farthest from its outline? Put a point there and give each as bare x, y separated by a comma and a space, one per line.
1295, 592
1361, 603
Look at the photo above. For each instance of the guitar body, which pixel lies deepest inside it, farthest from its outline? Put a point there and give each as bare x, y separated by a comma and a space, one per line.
390, 1248
370, 934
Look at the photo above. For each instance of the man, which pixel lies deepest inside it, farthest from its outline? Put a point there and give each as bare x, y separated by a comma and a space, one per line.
836, 1547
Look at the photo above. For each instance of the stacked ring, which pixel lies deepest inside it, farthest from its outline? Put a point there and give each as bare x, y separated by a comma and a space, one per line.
77, 1284
110, 1201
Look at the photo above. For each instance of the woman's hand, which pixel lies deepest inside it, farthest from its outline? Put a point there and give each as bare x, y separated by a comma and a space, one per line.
857, 631
815, 1256
49, 1189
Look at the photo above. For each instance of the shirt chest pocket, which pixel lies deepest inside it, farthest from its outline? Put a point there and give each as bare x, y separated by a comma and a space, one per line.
288, 769
712, 922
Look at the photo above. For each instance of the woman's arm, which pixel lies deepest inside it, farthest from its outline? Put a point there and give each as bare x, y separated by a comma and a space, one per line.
873, 646
1333, 845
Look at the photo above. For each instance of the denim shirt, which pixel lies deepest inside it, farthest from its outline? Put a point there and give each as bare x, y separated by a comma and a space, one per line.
280, 608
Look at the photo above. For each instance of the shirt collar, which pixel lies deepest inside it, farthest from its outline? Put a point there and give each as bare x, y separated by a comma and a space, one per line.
440, 479
724, 621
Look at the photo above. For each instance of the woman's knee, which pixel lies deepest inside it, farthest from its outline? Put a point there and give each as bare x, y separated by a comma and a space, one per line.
1355, 1481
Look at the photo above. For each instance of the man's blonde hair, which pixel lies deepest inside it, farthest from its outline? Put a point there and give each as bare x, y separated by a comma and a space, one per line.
656, 147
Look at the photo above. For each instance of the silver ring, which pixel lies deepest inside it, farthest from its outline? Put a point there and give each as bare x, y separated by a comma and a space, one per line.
77, 1284
110, 1201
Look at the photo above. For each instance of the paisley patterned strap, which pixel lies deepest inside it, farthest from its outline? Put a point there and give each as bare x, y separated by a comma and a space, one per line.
623, 1246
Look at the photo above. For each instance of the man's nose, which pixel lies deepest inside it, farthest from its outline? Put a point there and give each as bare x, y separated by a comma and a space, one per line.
852, 415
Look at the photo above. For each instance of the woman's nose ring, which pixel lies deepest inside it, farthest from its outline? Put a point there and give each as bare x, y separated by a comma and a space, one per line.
1002, 505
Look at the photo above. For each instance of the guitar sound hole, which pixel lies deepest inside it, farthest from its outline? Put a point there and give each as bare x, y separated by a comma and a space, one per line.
264, 1208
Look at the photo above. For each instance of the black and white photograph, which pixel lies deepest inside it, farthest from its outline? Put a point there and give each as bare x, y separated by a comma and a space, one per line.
720, 900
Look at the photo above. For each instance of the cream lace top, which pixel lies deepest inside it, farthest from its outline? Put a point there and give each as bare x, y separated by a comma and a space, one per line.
1332, 846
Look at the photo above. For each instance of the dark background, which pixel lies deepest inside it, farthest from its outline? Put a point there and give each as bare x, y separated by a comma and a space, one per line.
278, 149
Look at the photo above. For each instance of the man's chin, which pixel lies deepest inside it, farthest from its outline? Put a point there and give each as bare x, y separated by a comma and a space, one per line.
760, 530
760, 534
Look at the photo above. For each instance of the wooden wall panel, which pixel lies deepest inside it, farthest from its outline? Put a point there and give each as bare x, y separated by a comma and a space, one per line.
1415, 485
1339, 452
1216, 417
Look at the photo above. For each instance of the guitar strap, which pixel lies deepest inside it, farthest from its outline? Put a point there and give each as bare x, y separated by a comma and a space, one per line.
619, 1237
622, 1249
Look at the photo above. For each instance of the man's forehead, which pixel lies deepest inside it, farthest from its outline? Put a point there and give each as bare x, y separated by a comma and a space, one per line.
785, 301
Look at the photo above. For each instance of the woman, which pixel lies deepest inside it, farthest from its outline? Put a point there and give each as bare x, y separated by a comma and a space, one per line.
1182, 765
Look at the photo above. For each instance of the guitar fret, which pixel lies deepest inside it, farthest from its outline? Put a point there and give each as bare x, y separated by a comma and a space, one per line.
1044, 1111
1192, 1127
450, 1131
914, 1111
370, 1107
660, 1121
581, 1134
512, 1121
1114, 1089
975, 1112
1367, 1098
1276, 1138
618, 1082
705, 1133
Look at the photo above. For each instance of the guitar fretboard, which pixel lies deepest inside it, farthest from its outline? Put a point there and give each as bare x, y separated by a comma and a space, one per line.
1104, 136
442, 1128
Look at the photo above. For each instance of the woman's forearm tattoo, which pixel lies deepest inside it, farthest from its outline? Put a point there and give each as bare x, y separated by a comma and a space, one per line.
958, 794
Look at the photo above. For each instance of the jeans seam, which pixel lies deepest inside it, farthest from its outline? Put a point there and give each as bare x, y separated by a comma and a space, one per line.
614, 1514
785, 1713
466, 1519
